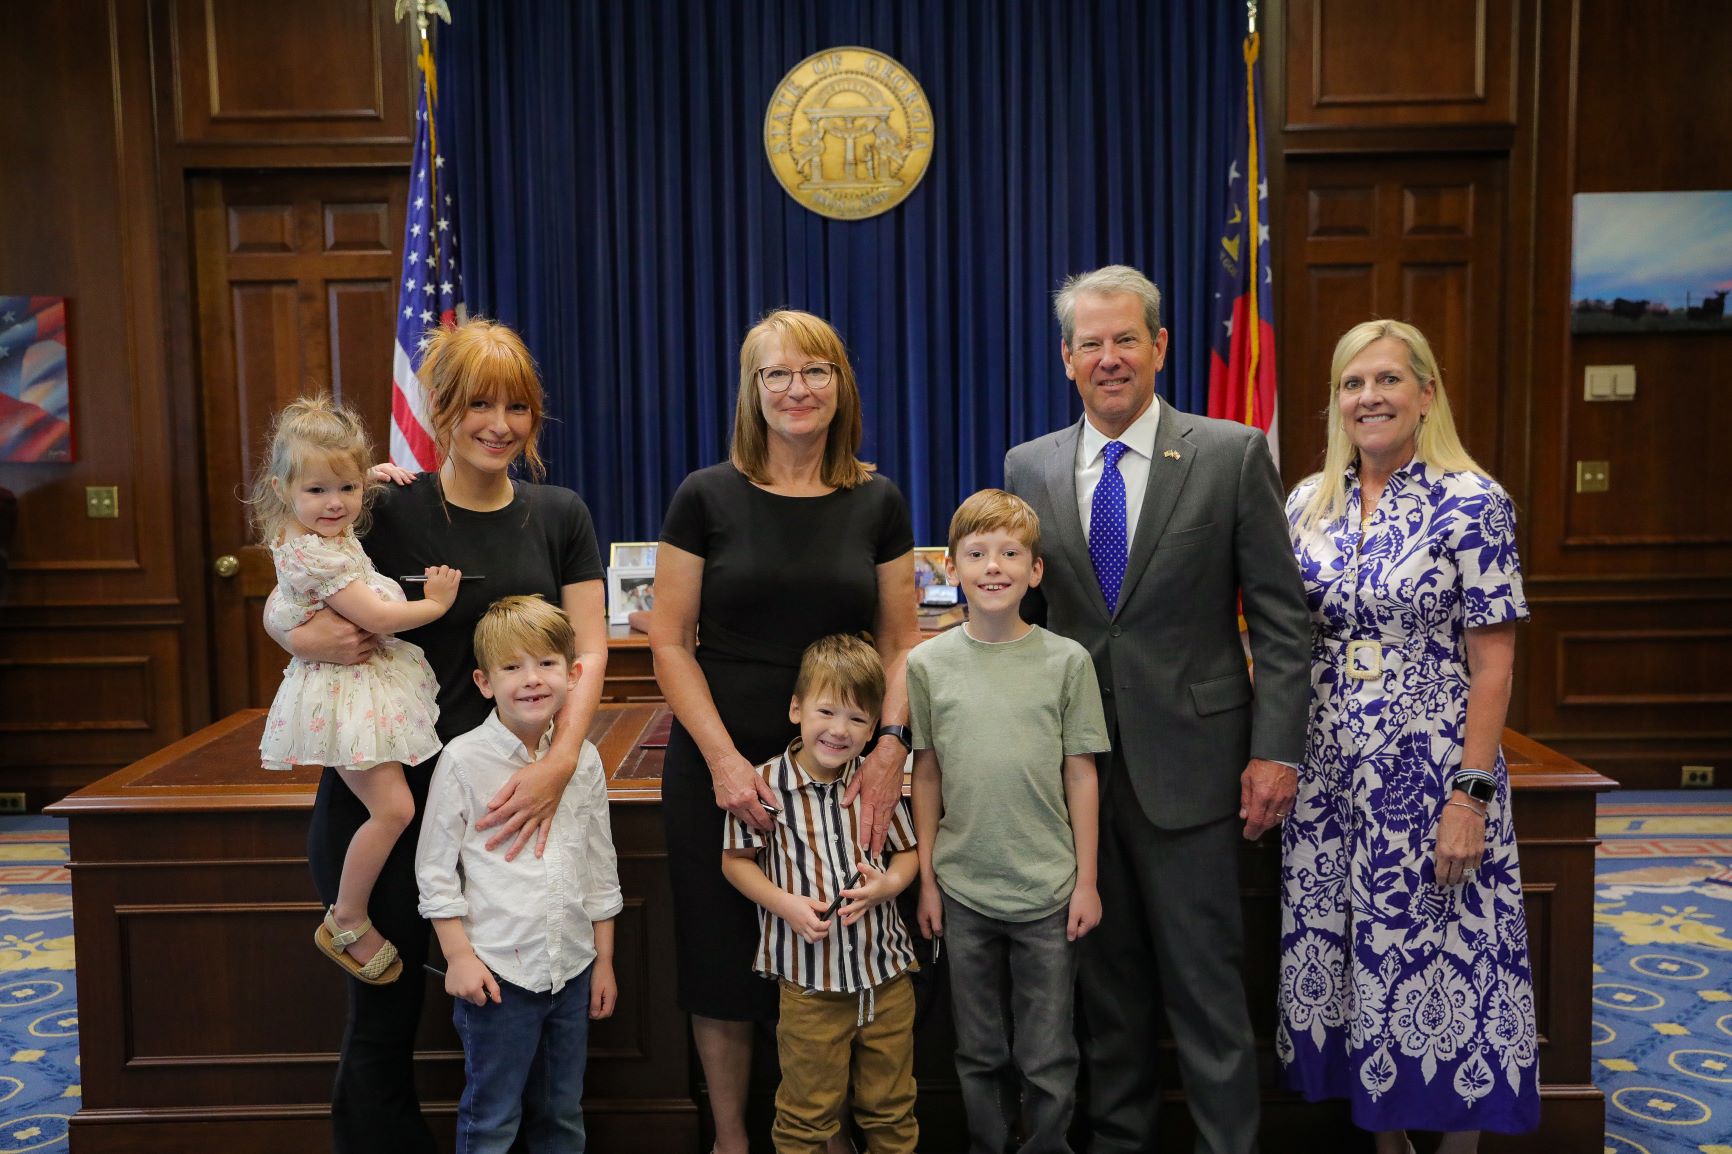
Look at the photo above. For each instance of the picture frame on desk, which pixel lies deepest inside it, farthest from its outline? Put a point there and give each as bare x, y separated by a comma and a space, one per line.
930, 574
630, 588
633, 554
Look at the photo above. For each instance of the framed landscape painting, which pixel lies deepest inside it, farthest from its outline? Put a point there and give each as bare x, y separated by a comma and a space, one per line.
35, 390
1651, 262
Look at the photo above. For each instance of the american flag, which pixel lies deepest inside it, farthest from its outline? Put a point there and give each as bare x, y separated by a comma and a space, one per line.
432, 286
1242, 339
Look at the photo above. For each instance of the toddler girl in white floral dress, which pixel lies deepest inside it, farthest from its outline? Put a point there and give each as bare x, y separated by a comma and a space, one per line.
370, 719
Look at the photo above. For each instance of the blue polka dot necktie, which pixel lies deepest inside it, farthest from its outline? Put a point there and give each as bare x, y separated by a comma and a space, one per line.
1107, 527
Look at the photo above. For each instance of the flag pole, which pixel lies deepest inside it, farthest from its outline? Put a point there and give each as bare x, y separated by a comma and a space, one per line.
432, 287
1253, 46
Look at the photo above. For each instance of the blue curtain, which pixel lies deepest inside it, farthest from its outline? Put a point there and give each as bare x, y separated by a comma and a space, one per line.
618, 210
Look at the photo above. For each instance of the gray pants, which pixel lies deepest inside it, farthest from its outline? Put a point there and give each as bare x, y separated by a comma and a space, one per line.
1011, 984
1171, 935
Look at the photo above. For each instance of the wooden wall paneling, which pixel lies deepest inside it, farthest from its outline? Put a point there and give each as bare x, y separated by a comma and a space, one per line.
1418, 239
90, 210
1359, 63
296, 278
1665, 445
91, 608
1625, 585
334, 72
1630, 677
84, 698
1651, 108
1598, 136
1513, 467
305, 138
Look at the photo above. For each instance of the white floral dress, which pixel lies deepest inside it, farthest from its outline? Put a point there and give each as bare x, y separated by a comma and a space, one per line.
352, 716
1412, 1001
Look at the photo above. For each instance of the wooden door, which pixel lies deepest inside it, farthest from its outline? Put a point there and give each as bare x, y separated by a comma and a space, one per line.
296, 276
1419, 240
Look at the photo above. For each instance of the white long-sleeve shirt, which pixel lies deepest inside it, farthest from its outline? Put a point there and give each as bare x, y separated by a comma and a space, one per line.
532, 920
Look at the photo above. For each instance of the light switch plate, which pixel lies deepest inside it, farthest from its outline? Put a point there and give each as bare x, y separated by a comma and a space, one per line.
1624, 382
1609, 383
1598, 383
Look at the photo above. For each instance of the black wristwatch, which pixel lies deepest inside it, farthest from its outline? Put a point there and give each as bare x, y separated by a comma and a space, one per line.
1479, 788
900, 732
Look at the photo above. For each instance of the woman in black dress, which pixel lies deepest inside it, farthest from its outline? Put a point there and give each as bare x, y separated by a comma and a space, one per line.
485, 406
793, 538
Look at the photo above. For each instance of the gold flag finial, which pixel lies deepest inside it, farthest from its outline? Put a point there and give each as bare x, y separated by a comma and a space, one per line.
423, 9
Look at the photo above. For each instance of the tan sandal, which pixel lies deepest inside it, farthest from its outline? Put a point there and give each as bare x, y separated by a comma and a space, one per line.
334, 941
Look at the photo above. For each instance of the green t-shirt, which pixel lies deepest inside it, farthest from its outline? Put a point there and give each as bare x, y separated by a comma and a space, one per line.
1002, 717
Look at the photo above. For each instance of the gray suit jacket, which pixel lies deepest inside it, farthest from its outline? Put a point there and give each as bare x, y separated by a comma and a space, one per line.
1171, 666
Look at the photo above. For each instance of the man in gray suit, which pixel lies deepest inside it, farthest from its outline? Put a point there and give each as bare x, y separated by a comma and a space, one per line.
1155, 523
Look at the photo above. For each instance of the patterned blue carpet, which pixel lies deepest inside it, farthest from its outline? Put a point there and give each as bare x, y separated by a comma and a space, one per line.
1663, 972
39, 1076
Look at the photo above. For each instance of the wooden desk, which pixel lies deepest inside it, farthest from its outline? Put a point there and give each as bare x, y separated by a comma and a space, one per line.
631, 674
208, 1023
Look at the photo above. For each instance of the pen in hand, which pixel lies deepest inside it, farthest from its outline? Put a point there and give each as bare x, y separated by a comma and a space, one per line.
853, 880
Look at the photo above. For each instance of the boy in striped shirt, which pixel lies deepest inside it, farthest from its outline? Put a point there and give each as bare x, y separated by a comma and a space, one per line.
829, 930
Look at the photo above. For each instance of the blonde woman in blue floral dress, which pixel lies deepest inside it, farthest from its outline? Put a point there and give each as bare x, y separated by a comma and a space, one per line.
1405, 982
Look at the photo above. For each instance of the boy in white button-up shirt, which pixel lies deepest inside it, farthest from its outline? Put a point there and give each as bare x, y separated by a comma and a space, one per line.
528, 943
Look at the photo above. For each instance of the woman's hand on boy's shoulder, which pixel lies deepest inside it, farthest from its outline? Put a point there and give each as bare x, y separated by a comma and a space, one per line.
523, 808
1085, 912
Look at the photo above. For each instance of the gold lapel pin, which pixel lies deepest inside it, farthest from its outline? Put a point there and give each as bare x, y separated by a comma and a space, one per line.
1173, 453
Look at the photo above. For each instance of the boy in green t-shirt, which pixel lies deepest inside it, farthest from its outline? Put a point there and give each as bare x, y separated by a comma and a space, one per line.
1007, 719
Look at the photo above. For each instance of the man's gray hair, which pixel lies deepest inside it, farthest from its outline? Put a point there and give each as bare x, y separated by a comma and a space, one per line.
1112, 280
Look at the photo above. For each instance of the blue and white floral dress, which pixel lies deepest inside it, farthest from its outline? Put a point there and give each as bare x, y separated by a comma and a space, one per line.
1411, 1000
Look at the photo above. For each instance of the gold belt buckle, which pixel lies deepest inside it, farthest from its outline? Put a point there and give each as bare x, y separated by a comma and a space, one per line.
1364, 660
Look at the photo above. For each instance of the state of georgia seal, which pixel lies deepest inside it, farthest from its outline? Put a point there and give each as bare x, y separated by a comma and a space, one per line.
848, 133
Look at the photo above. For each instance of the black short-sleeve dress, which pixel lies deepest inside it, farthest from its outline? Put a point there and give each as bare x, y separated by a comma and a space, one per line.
779, 573
541, 542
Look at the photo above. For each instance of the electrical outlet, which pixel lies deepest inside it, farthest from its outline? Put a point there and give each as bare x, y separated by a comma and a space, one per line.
1695, 777
12, 803
1593, 476
102, 501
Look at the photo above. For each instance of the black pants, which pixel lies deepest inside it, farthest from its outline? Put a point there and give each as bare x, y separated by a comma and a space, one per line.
374, 1107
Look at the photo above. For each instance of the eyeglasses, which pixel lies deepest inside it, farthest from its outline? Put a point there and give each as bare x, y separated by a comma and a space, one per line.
815, 376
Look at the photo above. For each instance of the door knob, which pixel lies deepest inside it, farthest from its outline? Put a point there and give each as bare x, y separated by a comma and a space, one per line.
228, 565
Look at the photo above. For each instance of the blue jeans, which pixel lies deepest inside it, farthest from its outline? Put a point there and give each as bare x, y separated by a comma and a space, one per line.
523, 1063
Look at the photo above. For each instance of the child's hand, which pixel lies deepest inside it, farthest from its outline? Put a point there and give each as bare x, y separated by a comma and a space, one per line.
931, 915
390, 474
603, 990
875, 889
1085, 912
803, 915
467, 977
442, 581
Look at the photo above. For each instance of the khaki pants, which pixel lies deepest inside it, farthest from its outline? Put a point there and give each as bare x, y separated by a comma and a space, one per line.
821, 1046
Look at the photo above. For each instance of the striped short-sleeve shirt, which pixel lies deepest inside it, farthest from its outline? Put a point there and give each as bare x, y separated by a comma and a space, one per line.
811, 852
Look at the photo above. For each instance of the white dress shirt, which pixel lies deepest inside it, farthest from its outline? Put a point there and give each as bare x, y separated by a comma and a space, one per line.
1133, 466
532, 920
